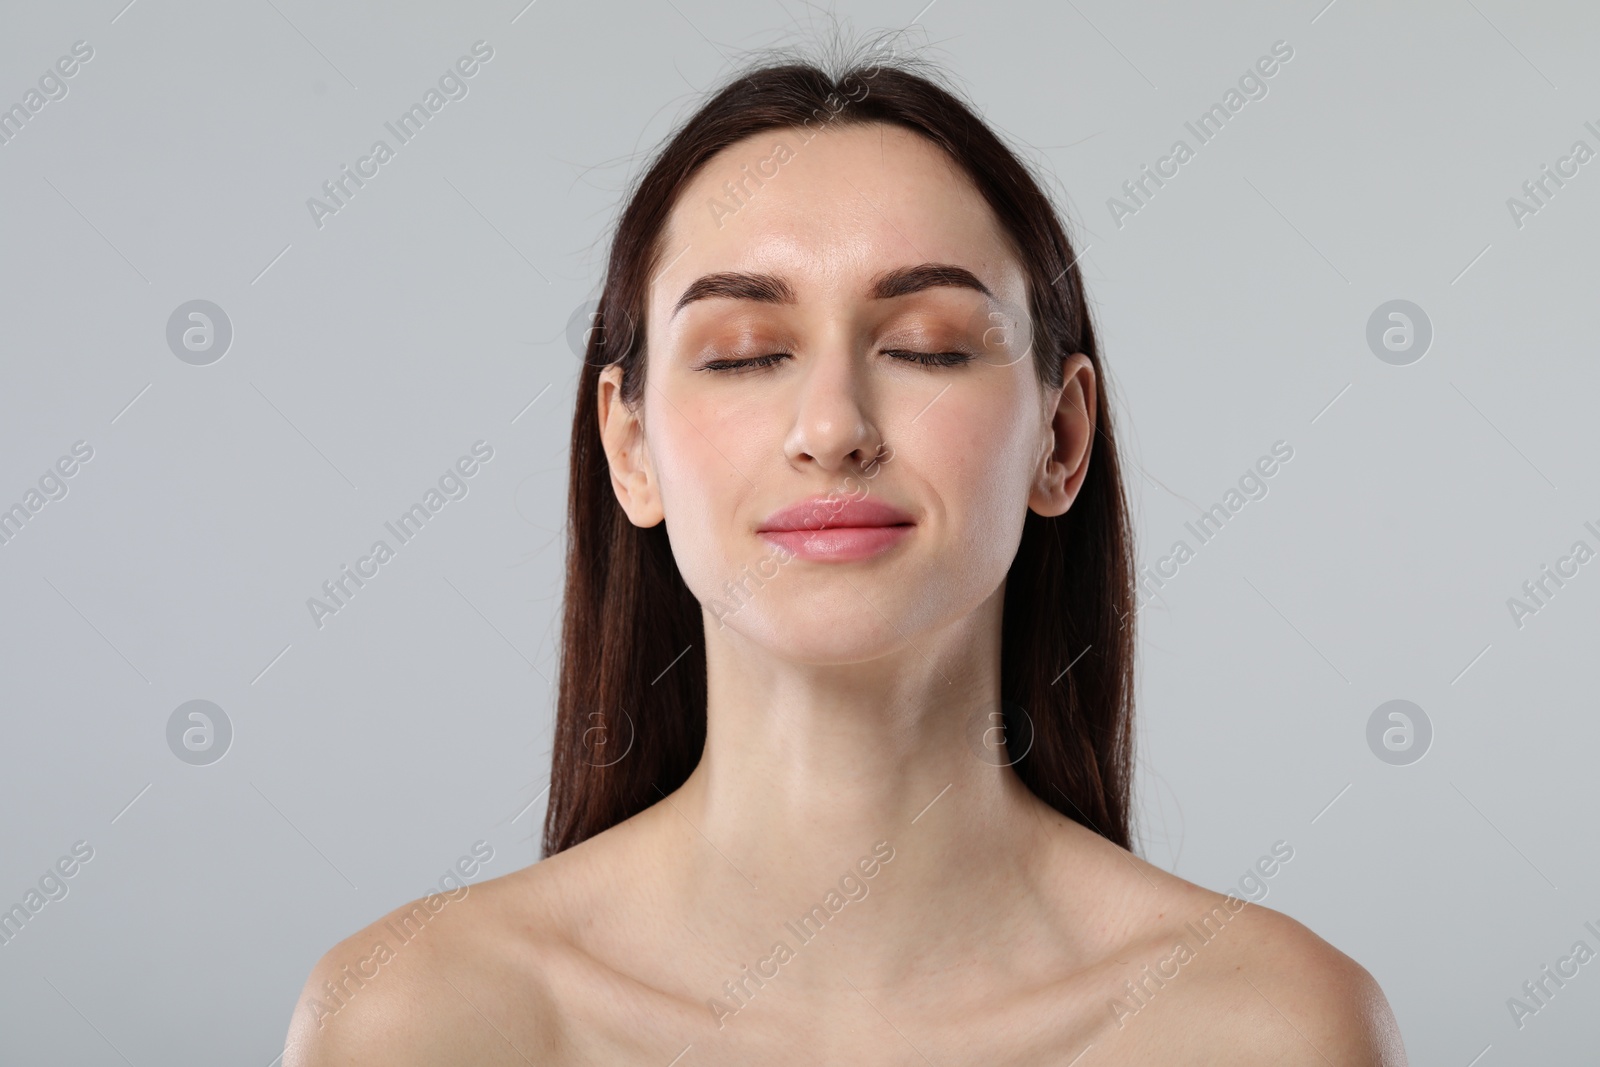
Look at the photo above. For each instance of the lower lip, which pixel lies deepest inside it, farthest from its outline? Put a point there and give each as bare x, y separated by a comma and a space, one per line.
838, 544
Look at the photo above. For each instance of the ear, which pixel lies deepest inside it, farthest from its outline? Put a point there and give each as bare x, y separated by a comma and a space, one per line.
1070, 436
633, 477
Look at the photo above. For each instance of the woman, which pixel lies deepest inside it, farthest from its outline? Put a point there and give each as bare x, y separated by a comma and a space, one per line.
843, 746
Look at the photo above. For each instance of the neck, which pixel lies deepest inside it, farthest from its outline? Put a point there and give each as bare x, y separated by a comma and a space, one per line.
807, 769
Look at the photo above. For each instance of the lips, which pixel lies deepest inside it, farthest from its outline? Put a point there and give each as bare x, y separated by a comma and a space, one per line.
823, 512
828, 529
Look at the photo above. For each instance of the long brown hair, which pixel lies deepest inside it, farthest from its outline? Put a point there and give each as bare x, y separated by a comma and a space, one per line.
631, 708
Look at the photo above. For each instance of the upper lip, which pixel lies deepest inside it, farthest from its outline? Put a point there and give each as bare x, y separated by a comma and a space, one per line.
826, 512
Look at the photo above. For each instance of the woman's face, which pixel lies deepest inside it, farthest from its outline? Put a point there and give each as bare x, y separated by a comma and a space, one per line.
839, 330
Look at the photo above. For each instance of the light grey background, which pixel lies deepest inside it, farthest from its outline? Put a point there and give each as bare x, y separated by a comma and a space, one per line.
431, 312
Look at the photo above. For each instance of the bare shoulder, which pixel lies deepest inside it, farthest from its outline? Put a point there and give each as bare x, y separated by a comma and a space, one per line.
1314, 1003
1192, 975
1261, 986
451, 978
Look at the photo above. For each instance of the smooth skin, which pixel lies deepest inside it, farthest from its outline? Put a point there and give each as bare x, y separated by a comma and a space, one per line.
840, 705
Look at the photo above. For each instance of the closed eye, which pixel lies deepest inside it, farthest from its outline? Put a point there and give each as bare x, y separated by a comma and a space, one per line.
926, 359
742, 364
930, 359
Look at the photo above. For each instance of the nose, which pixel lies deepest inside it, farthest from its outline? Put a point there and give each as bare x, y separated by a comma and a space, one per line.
833, 427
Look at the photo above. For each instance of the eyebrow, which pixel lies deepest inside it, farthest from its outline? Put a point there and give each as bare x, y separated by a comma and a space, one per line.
771, 289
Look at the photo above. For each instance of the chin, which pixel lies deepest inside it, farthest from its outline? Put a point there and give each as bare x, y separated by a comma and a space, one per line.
824, 627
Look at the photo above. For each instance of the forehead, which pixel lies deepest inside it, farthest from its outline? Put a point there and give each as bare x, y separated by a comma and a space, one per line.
831, 213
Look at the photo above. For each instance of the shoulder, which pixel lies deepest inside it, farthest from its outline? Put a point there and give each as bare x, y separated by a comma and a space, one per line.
1264, 987
1315, 1003
428, 984
1188, 970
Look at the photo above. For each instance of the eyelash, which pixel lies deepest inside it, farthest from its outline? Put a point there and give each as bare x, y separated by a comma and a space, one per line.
925, 359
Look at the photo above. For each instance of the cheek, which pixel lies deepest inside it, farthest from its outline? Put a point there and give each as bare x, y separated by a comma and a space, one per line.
702, 458
978, 451
975, 455
701, 446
